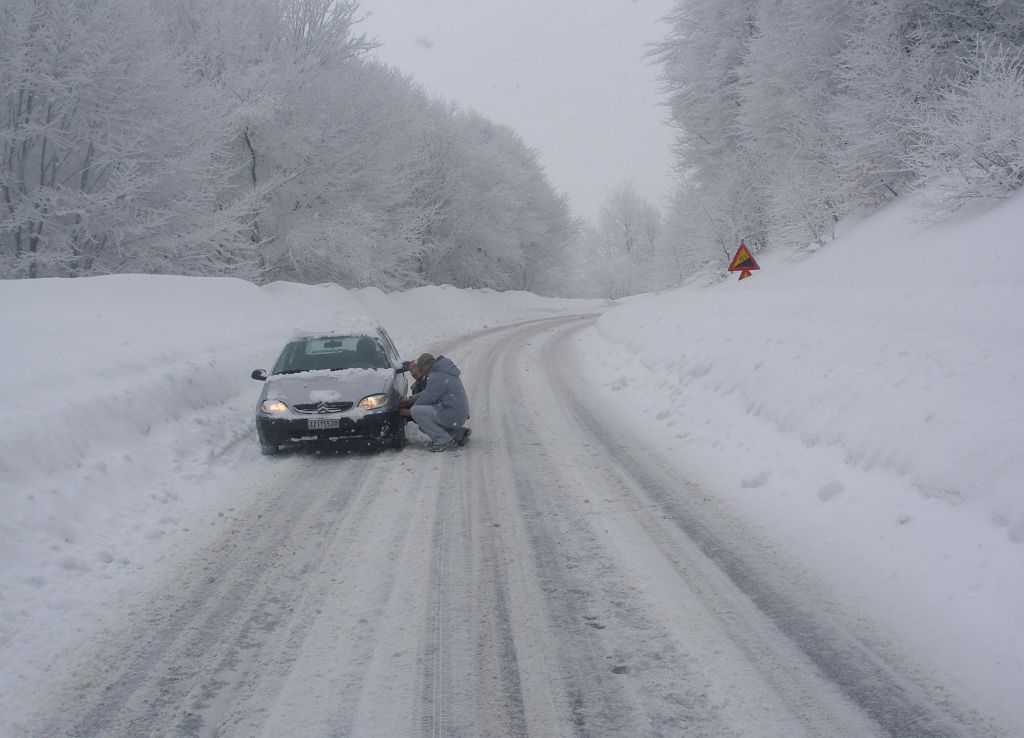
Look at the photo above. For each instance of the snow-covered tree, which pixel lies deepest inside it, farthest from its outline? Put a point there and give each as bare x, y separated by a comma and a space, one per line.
253, 138
703, 58
107, 154
499, 224
791, 113
788, 86
974, 129
620, 255
629, 224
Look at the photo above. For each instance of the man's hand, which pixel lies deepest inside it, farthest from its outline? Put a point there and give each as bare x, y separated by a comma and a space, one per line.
405, 412
405, 402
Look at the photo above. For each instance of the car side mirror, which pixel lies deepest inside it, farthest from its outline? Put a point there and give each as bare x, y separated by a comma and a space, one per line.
260, 374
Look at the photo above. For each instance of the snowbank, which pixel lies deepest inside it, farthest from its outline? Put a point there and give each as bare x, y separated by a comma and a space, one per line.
864, 405
95, 363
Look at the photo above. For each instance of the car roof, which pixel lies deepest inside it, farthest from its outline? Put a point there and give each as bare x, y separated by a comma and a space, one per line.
315, 335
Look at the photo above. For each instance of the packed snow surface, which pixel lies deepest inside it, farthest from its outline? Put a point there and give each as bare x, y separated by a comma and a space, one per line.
860, 405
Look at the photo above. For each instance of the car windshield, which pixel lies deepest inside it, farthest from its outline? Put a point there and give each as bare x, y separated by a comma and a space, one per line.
332, 353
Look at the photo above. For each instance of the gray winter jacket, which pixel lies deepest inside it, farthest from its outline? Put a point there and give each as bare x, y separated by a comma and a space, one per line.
444, 390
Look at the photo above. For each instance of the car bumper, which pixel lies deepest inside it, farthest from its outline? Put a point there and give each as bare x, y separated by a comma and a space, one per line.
280, 431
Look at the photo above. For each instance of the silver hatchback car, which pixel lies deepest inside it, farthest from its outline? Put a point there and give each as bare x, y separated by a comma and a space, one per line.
331, 387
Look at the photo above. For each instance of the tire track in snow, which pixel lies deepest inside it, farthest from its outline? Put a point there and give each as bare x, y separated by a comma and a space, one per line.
312, 675
622, 666
471, 679
178, 647
591, 701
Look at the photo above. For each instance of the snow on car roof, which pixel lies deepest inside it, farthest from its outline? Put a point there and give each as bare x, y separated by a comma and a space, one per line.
354, 326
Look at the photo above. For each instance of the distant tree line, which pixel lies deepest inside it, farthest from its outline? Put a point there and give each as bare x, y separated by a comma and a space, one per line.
615, 255
791, 114
256, 139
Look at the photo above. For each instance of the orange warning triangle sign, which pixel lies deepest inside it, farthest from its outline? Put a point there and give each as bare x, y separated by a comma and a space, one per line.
743, 261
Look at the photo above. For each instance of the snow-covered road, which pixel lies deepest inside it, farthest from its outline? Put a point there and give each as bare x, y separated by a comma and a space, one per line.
553, 578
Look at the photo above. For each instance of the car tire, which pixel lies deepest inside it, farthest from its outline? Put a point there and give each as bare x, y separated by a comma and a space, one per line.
398, 439
268, 449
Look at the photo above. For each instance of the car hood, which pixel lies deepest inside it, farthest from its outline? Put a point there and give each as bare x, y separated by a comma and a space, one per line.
343, 385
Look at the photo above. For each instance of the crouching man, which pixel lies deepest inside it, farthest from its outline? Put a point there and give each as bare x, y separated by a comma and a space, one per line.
442, 408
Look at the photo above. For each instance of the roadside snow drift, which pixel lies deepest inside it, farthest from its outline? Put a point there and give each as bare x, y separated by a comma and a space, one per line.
865, 405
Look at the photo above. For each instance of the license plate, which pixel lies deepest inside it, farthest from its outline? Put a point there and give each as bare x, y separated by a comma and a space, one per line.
323, 423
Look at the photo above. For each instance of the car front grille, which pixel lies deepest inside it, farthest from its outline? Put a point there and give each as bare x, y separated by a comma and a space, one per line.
322, 407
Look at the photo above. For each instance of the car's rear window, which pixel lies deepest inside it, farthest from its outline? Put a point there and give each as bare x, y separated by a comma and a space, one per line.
334, 352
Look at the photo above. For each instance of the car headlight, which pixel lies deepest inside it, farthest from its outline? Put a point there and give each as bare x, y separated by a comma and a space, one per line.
273, 407
372, 402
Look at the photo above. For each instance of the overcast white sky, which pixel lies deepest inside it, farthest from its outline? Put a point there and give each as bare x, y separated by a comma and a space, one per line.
568, 75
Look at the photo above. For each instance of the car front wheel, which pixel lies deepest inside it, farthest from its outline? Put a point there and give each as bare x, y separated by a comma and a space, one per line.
268, 449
